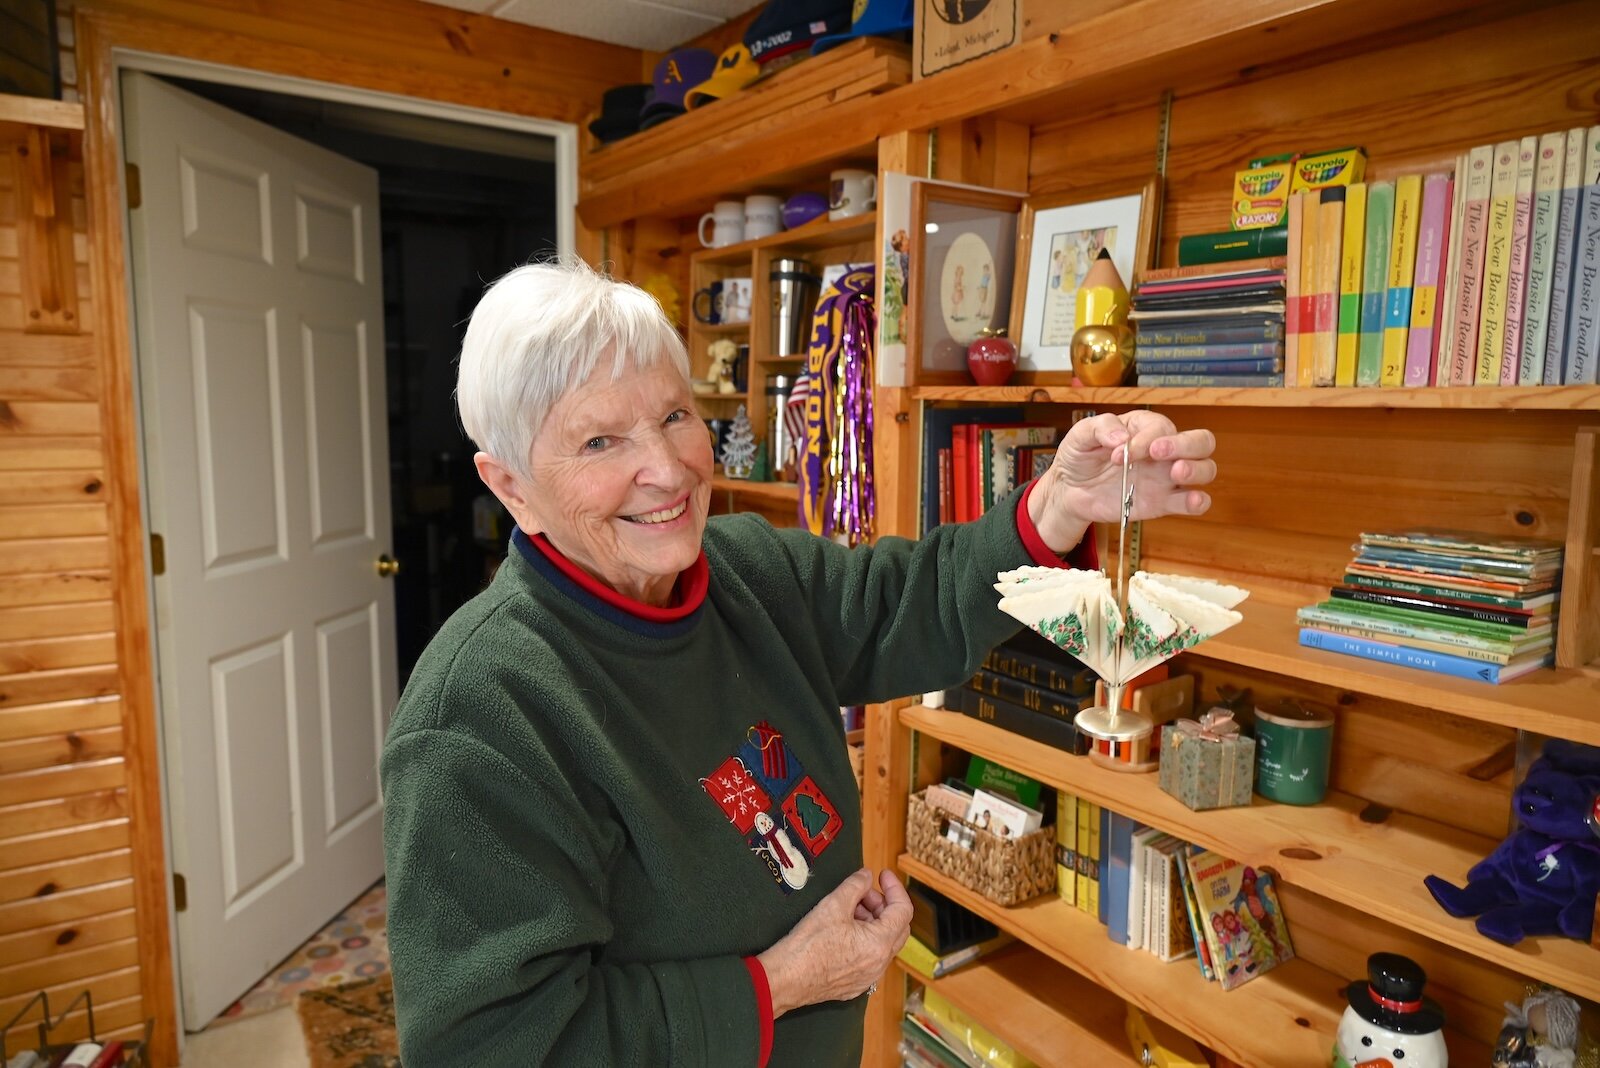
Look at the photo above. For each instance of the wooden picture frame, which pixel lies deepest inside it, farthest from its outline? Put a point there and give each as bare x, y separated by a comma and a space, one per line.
951, 230
1065, 227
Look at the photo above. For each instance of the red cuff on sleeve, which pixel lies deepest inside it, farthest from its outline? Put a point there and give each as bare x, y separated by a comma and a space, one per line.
758, 979
1083, 554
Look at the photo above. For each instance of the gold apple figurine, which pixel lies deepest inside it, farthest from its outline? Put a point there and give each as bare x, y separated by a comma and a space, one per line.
1102, 354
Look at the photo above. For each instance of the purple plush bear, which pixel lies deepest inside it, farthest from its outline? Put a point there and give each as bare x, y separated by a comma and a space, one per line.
1543, 879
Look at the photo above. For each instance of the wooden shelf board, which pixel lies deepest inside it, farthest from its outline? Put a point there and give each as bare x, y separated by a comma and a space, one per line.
1557, 398
1181, 45
1563, 702
38, 111
1286, 1017
818, 233
787, 492
1376, 868
723, 398
722, 329
1050, 1014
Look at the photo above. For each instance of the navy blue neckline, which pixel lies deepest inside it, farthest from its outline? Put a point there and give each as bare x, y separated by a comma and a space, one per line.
584, 598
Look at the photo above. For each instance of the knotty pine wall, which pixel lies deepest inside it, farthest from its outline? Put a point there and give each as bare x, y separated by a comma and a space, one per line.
1298, 485
83, 879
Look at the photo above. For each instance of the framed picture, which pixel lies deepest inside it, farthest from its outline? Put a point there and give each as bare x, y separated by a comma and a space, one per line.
1059, 238
963, 258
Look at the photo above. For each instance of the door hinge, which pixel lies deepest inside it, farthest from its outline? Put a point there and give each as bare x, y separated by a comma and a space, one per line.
180, 892
158, 555
135, 193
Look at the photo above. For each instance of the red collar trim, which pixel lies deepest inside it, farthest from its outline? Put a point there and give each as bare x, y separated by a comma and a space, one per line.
688, 593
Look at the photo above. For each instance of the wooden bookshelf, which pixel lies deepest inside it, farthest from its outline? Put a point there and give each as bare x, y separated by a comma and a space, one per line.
1332, 849
1286, 1017
781, 492
1508, 398
819, 233
1049, 1014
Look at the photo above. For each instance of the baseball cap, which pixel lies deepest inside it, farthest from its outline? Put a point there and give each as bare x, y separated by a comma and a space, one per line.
874, 18
619, 112
786, 26
677, 73
735, 70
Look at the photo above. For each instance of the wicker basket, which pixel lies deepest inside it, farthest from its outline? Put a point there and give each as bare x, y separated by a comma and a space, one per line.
1004, 870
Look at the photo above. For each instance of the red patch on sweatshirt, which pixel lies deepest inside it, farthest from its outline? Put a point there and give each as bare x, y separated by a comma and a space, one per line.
812, 816
736, 793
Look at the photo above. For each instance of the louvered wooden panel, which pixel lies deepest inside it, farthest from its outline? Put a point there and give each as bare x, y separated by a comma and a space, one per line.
67, 905
40, 880
29, 721
115, 985
49, 783
68, 840
79, 934
55, 750
71, 587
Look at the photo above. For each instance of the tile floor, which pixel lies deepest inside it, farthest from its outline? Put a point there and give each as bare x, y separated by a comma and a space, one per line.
270, 1040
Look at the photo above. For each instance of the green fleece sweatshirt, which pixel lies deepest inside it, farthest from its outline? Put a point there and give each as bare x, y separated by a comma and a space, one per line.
596, 811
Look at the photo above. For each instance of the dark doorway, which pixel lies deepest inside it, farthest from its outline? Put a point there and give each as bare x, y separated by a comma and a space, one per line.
461, 204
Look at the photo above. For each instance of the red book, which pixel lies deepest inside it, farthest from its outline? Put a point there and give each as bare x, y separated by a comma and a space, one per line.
947, 505
959, 448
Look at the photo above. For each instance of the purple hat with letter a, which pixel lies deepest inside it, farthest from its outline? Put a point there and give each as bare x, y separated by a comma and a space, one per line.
676, 74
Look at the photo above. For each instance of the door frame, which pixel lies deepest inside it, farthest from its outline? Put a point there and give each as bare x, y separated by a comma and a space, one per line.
106, 44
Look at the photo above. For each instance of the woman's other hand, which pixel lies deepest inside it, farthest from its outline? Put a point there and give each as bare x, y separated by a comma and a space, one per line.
1084, 483
842, 946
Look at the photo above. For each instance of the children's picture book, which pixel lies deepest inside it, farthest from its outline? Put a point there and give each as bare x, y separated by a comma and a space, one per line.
1240, 917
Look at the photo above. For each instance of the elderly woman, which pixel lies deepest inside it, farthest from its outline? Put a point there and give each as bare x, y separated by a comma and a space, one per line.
621, 825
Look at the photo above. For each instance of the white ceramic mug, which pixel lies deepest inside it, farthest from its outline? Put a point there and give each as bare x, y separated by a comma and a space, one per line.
736, 298
727, 228
763, 216
851, 192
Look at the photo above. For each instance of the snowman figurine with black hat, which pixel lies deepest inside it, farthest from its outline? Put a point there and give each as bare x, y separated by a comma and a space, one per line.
1389, 1024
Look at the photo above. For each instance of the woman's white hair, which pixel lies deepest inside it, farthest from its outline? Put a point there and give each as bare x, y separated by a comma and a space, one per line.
538, 333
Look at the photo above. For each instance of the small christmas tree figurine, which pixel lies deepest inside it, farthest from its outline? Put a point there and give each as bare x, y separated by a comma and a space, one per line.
739, 450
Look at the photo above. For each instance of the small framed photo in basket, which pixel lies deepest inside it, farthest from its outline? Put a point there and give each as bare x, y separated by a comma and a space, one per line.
963, 258
1060, 236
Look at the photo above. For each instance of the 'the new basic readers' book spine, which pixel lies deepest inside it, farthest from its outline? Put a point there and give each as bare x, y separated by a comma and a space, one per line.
1497, 264
1374, 281
1474, 238
1555, 345
1438, 663
1541, 257
1355, 232
1517, 279
1442, 296
1402, 276
1583, 332
1201, 337
1430, 248
1445, 332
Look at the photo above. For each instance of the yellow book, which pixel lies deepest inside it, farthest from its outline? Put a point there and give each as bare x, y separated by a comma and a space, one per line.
1325, 292
1497, 263
1081, 876
978, 1040
1305, 364
1067, 846
1094, 861
1355, 233
1402, 273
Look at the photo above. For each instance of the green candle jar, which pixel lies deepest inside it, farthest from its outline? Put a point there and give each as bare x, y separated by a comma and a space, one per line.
1294, 748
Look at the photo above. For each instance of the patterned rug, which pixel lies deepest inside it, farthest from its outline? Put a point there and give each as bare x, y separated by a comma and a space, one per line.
351, 1026
354, 945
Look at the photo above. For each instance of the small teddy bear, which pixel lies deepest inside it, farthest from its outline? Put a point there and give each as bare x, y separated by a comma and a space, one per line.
1544, 877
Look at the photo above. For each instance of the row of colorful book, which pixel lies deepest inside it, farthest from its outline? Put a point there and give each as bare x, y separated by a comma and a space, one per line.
1220, 325
973, 457
1485, 275
1455, 603
1157, 893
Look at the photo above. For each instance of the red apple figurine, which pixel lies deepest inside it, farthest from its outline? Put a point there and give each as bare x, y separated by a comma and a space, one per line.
991, 359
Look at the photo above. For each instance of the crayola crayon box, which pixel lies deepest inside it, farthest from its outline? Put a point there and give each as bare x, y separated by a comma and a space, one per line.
1261, 194
1346, 166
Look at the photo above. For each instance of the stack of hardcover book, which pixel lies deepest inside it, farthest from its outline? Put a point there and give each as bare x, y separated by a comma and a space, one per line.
1030, 687
1469, 605
1211, 325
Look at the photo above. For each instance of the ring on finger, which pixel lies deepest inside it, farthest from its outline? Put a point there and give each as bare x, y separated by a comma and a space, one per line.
871, 990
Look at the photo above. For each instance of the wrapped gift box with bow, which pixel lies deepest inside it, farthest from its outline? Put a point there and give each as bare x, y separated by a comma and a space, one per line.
1207, 763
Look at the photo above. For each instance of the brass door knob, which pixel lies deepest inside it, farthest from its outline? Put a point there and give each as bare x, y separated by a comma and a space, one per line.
388, 566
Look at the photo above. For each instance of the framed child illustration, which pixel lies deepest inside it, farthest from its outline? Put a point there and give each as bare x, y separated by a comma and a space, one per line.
963, 256
1059, 238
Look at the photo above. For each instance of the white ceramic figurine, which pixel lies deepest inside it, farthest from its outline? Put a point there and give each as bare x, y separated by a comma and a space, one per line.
1389, 1024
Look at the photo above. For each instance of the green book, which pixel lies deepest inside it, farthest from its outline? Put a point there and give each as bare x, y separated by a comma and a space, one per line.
1374, 282
1227, 245
987, 775
1489, 631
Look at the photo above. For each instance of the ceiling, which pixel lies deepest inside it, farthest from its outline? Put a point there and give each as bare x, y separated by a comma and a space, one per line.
653, 25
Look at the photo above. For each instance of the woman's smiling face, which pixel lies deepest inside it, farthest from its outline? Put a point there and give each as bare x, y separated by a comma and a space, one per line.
622, 479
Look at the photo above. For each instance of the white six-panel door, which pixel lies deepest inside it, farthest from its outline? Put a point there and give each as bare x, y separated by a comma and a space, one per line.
260, 343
